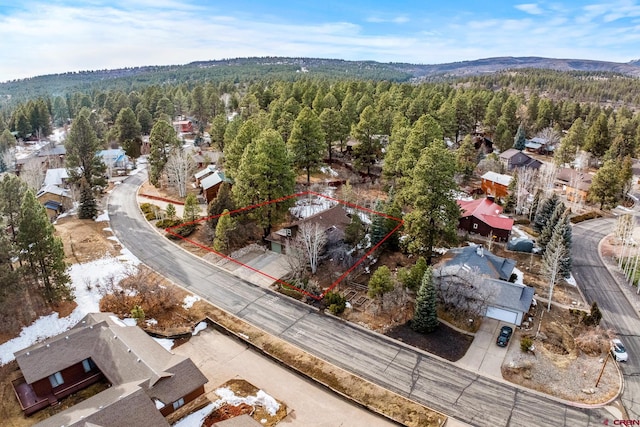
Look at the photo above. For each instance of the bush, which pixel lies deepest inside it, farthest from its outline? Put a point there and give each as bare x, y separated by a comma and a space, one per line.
290, 292
146, 208
164, 223
150, 216
336, 302
525, 344
585, 217
184, 230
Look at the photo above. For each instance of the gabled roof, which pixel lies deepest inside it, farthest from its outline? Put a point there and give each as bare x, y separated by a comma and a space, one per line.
500, 293
497, 178
212, 180
574, 178
486, 211
53, 205
474, 259
56, 176
523, 159
58, 150
204, 172
53, 189
124, 354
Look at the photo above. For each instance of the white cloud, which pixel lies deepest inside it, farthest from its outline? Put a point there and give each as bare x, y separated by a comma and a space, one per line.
531, 8
400, 19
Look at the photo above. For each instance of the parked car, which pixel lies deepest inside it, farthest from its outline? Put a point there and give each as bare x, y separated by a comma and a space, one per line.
618, 351
505, 336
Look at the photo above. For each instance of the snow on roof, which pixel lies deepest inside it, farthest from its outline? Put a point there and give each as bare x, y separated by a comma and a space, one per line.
497, 178
214, 179
53, 189
206, 171
56, 176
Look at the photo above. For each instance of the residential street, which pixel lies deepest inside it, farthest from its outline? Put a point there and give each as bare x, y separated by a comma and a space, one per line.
424, 378
597, 284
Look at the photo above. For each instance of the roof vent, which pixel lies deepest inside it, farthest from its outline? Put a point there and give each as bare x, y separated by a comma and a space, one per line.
138, 360
67, 337
48, 345
28, 353
128, 350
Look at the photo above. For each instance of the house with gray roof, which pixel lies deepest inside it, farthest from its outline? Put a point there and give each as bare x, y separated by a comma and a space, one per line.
480, 279
147, 382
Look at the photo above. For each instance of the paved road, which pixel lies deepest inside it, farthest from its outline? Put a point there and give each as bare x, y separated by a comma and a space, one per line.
597, 284
422, 377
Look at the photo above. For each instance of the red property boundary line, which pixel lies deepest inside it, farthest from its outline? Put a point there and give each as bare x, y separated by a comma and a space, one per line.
169, 230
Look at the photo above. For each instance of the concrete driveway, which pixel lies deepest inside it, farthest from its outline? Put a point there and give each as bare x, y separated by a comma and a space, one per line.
222, 358
484, 356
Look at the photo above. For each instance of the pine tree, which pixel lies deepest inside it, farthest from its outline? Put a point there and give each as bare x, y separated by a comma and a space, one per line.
42, 251
544, 212
161, 141
563, 228
369, 149
466, 157
435, 214
597, 140
170, 210
549, 227
377, 224
191, 208
222, 202
9, 280
520, 139
12, 190
535, 204
88, 205
605, 185
128, 132
425, 317
82, 145
381, 282
552, 260
225, 226
306, 143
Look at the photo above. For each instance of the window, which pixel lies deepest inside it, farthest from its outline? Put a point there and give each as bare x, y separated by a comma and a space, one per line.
56, 379
178, 403
475, 226
88, 365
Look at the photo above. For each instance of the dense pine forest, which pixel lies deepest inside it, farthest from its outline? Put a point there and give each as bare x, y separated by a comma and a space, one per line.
274, 120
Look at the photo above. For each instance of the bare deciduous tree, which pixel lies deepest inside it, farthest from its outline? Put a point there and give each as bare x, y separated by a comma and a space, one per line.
32, 174
524, 189
313, 240
546, 178
179, 168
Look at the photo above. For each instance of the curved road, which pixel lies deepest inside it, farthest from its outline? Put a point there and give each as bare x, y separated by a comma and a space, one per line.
424, 378
598, 284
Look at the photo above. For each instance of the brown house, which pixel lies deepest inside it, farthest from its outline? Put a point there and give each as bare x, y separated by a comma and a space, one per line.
55, 199
495, 184
211, 183
333, 220
575, 184
483, 216
183, 126
147, 382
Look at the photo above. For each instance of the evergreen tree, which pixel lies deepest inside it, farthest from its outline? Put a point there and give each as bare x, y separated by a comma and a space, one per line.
423, 133
510, 200
265, 174
605, 185
552, 260
535, 204
146, 121
191, 208
412, 277
425, 317
369, 149
380, 282
306, 143
597, 141
88, 205
563, 228
162, 140
399, 133
222, 202
520, 139
570, 144
544, 212
9, 280
355, 231
224, 228
466, 157
377, 224
42, 251
549, 227
170, 210
334, 129
435, 214
128, 132
12, 190
248, 133
82, 146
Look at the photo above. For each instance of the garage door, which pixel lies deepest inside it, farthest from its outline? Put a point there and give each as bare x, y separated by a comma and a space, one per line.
502, 314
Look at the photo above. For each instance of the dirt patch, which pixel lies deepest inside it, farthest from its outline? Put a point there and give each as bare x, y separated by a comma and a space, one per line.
85, 240
556, 365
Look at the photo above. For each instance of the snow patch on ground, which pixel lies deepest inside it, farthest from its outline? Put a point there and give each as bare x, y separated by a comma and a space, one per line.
189, 300
228, 396
310, 206
165, 342
328, 171
519, 276
571, 280
103, 217
199, 327
89, 281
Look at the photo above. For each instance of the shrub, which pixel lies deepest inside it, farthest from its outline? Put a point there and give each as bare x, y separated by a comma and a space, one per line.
585, 216
150, 216
522, 221
290, 292
525, 344
164, 223
146, 208
336, 302
184, 230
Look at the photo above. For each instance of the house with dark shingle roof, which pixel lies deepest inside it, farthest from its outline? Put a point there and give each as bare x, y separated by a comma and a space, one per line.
147, 382
514, 159
478, 275
484, 217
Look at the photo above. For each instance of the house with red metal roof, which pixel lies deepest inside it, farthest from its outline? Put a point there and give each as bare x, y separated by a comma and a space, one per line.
484, 217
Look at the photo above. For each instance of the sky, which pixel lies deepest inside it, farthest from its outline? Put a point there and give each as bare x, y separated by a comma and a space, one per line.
40, 37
